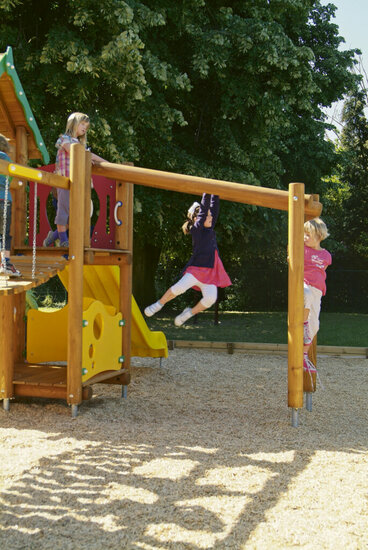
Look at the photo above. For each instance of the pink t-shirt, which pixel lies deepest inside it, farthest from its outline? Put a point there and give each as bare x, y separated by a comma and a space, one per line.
315, 265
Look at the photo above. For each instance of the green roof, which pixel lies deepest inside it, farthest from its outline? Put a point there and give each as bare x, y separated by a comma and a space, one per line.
15, 110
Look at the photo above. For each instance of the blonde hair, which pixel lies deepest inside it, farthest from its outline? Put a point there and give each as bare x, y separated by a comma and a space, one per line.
72, 124
316, 227
4, 144
191, 215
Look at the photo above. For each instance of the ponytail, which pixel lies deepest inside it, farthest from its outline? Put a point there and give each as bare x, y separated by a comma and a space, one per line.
191, 216
187, 226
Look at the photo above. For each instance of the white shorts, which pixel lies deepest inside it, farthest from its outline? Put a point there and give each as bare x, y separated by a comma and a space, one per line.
209, 292
312, 301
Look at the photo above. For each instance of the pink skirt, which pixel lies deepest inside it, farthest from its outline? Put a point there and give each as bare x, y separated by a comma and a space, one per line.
215, 275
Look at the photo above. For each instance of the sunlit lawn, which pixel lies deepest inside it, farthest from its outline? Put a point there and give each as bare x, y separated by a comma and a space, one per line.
336, 329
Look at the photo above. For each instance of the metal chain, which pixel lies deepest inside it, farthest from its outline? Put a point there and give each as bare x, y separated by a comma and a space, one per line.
34, 230
5, 216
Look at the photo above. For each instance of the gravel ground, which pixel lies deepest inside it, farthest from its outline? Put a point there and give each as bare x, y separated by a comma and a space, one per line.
201, 455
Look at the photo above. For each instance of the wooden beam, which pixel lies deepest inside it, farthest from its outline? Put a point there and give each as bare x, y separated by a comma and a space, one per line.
237, 192
90, 258
46, 178
52, 392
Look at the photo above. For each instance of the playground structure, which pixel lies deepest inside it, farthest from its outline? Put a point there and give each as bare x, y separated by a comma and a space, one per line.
98, 323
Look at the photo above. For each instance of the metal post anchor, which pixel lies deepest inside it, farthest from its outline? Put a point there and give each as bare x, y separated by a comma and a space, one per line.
295, 418
308, 401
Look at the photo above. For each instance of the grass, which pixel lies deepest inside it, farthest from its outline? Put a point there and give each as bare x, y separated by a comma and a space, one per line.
336, 329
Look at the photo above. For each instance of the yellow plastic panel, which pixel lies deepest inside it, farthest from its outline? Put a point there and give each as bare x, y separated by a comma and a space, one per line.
102, 341
102, 283
47, 333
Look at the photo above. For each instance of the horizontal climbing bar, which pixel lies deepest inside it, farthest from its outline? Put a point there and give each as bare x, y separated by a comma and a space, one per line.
33, 174
237, 192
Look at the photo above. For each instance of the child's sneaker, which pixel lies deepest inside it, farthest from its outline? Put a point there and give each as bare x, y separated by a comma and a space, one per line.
308, 365
184, 316
9, 269
152, 309
49, 239
65, 244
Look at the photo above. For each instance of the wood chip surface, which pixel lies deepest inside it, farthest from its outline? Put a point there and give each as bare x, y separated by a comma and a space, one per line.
201, 455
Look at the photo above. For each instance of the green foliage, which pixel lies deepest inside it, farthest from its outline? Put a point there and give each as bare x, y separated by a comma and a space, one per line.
347, 198
229, 90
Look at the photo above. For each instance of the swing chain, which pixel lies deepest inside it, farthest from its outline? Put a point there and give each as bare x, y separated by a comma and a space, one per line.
5, 216
34, 230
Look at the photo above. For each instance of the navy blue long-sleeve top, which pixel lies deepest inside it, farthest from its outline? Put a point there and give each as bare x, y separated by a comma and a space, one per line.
204, 238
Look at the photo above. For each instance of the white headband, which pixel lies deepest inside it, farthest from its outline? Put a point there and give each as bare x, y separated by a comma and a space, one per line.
192, 209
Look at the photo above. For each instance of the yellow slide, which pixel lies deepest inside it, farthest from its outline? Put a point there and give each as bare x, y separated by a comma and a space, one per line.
102, 283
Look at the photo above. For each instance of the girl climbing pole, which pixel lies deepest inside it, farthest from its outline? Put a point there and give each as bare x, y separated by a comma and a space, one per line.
316, 261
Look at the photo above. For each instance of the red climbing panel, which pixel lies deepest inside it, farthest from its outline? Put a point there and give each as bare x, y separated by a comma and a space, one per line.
103, 223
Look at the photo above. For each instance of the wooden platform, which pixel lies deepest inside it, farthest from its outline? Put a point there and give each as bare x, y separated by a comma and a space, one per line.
92, 256
43, 381
46, 267
46, 380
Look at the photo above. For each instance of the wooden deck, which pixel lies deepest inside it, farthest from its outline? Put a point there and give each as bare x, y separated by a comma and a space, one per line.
32, 380
46, 380
46, 267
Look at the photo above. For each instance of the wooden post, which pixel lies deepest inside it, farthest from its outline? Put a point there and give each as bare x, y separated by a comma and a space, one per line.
19, 229
126, 307
121, 231
75, 294
295, 301
19, 216
6, 346
87, 202
124, 240
19, 326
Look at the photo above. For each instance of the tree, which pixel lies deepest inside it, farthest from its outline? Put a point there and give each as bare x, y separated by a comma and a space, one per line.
226, 89
354, 174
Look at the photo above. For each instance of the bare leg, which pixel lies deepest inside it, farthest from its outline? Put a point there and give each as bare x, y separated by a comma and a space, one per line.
169, 295
198, 308
157, 306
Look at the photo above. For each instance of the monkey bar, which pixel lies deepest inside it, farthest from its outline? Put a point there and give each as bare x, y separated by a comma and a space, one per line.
236, 192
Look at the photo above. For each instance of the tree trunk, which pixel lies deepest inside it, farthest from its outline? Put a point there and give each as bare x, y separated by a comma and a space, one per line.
145, 262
